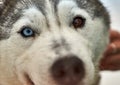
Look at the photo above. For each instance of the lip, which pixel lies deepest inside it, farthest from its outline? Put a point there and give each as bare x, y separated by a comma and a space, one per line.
28, 80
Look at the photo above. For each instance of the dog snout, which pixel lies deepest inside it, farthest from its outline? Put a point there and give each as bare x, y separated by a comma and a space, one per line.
68, 70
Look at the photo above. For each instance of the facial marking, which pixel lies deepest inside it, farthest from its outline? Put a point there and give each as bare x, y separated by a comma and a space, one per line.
58, 46
32, 18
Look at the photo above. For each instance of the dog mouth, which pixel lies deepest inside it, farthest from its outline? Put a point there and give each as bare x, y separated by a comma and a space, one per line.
29, 81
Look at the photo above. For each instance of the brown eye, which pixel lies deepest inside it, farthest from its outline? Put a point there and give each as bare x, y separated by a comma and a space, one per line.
78, 22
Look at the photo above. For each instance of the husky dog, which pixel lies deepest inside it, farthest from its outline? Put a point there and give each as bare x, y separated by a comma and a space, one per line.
52, 42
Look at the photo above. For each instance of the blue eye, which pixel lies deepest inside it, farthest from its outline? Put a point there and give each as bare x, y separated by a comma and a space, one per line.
27, 32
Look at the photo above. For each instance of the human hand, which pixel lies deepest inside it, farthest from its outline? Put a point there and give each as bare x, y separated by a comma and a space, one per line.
111, 59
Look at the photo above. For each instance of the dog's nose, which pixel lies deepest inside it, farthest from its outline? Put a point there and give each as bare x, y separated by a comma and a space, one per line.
68, 70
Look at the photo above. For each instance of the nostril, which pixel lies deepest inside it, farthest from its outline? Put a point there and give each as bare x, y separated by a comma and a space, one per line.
77, 70
68, 69
58, 69
61, 73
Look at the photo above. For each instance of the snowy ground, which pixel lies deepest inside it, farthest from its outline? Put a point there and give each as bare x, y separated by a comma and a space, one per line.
112, 78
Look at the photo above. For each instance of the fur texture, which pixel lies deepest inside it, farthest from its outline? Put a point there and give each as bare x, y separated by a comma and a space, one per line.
27, 61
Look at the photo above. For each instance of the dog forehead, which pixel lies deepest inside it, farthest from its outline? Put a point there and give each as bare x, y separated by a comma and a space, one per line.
91, 6
10, 11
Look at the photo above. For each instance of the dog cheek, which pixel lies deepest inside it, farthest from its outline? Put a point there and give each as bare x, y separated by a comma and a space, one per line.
36, 65
90, 73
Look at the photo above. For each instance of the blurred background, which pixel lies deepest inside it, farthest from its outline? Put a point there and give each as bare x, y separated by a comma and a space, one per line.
113, 6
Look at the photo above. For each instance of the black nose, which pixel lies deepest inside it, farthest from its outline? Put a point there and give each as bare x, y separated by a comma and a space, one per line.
68, 70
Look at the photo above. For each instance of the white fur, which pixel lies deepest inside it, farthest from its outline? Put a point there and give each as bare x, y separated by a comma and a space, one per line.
34, 56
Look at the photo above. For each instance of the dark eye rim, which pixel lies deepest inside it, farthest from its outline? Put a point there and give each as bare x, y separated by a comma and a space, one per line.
22, 34
82, 19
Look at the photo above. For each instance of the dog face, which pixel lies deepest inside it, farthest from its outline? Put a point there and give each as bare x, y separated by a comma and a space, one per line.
51, 42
